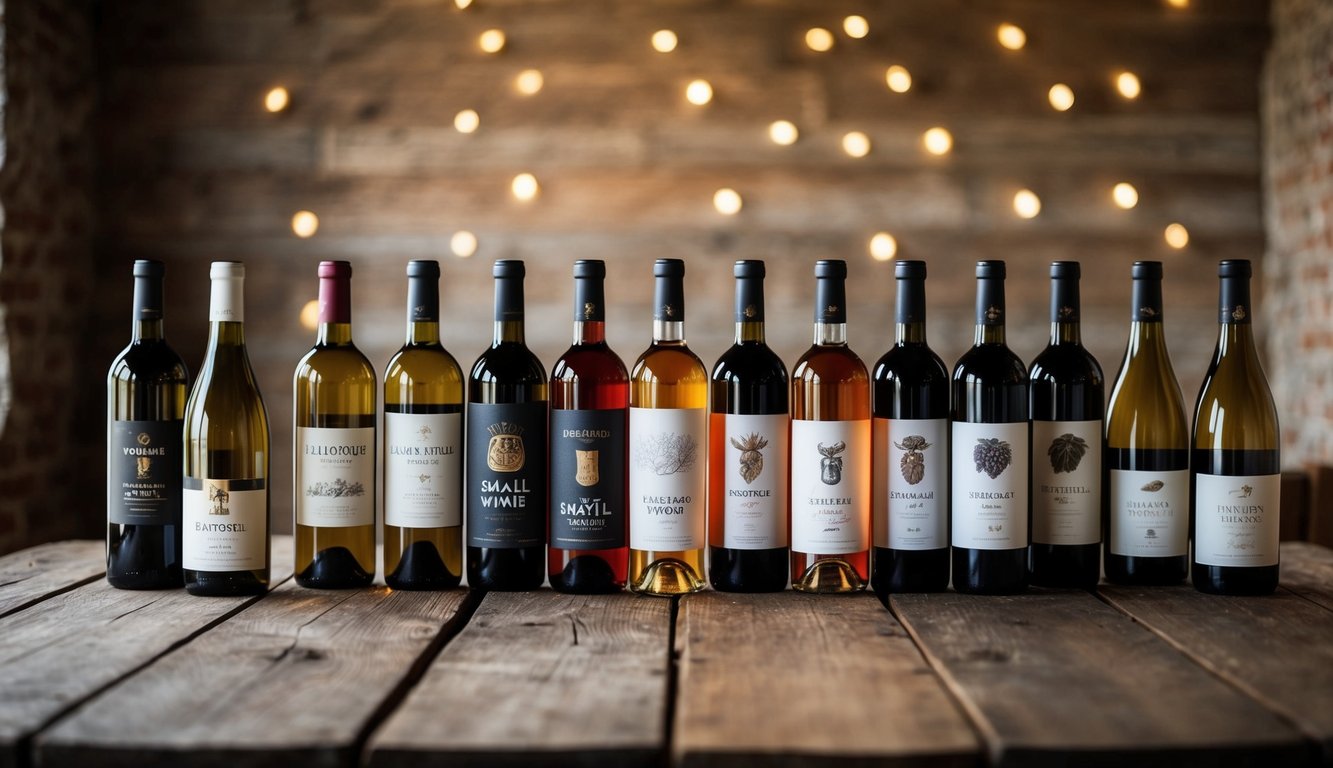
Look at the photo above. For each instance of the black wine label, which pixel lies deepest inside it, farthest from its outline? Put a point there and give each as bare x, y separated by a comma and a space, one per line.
506, 475
144, 473
588, 482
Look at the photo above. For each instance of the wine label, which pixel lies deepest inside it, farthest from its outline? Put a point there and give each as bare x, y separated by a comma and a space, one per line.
226, 525
667, 482
505, 486
990, 485
1150, 513
1236, 519
830, 486
423, 470
754, 476
335, 476
144, 468
588, 481
911, 483
1067, 482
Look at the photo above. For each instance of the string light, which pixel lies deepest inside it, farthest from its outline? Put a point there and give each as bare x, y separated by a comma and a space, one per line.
310, 315
462, 4
856, 144
783, 132
898, 79
525, 187
1125, 195
727, 201
1128, 85
1061, 97
664, 41
1011, 36
277, 99
305, 224
699, 92
463, 244
467, 121
1178, 3
1176, 235
529, 82
883, 247
1026, 204
818, 39
856, 26
492, 41
937, 141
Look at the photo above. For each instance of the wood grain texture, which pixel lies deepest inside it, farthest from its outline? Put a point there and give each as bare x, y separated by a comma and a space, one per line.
541, 679
1051, 675
806, 680
1307, 570
32, 575
295, 679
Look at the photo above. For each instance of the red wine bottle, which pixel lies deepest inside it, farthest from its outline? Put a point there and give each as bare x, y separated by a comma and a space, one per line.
588, 551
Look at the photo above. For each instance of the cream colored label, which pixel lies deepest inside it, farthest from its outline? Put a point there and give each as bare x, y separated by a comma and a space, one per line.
1067, 482
1236, 520
1150, 513
830, 486
335, 477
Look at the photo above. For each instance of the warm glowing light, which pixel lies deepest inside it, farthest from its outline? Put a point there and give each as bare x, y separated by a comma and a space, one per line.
310, 314
1125, 195
856, 144
305, 223
856, 26
1061, 97
783, 132
529, 81
463, 244
883, 246
937, 141
727, 201
1011, 36
698, 92
1128, 85
1026, 204
525, 187
277, 99
462, 4
492, 41
467, 121
1178, 3
818, 39
1176, 235
898, 79
664, 41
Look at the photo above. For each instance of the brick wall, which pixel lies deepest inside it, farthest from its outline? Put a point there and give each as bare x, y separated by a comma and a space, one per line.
1298, 181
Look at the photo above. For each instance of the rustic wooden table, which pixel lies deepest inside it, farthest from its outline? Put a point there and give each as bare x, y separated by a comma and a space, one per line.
93, 676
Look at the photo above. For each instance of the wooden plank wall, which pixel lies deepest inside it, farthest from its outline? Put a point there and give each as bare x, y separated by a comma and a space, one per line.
194, 169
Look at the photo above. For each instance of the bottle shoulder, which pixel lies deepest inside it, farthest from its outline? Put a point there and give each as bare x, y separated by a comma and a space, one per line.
990, 363
750, 363
593, 363
153, 361
677, 364
830, 363
916, 362
423, 363
1066, 364
1235, 409
338, 365
508, 363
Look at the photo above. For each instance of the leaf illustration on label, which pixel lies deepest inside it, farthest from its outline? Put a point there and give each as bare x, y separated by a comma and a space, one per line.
992, 456
830, 467
1244, 491
913, 463
752, 461
1066, 452
666, 453
337, 489
1154, 486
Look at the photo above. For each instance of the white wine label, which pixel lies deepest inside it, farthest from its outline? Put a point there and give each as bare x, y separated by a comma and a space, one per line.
755, 479
911, 483
335, 477
990, 485
667, 482
1236, 519
1150, 513
225, 525
1066, 482
423, 470
830, 486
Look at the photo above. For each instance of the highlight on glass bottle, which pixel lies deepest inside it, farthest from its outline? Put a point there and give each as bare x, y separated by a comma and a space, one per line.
588, 551
423, 447
830, 450
334, 408
667, 449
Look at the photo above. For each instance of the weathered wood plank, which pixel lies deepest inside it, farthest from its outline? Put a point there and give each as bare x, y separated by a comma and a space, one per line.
541, 679
295, 679
804, 680
1053, 674
58, 653
1307, 570
31, 575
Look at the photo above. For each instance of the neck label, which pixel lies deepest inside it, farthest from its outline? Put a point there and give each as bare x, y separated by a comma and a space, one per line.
225, 303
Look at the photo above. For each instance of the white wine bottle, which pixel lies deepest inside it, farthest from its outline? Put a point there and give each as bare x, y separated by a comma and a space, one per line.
227, 495
1235, 469
334, 447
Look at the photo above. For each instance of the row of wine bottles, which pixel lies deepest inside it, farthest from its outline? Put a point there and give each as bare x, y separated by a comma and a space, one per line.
600, 478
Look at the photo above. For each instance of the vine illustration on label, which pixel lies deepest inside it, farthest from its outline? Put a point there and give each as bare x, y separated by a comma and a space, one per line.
992, 456
337, 489
752, 460
913, 463
830, 467
504, 452
667, 453
1066, 452
220, 498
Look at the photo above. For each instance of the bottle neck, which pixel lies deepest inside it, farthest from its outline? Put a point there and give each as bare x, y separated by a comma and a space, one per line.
1236, 334
1065, 312
750, 332
669, 310
508, 311
910, 312
668, 331
335, 312
830, 311
147, 309
589, 332
749, 310
224, 335
589, 311
990, 311
226, 313
423, 311
830, 334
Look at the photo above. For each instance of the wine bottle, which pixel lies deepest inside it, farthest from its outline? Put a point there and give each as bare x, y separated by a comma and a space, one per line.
334, 457
991, 512
227, 495
668, 425
748, 452
1065, 404
910, 398
589, 426
145, 395
423, 449
1146, 516
1235, 480
506, 425
830, 450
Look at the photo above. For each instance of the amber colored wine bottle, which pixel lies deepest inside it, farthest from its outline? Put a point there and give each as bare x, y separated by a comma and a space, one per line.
1236, 464
588, 550
334, 446
748, 453
423, 447
668, 427
830, 450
